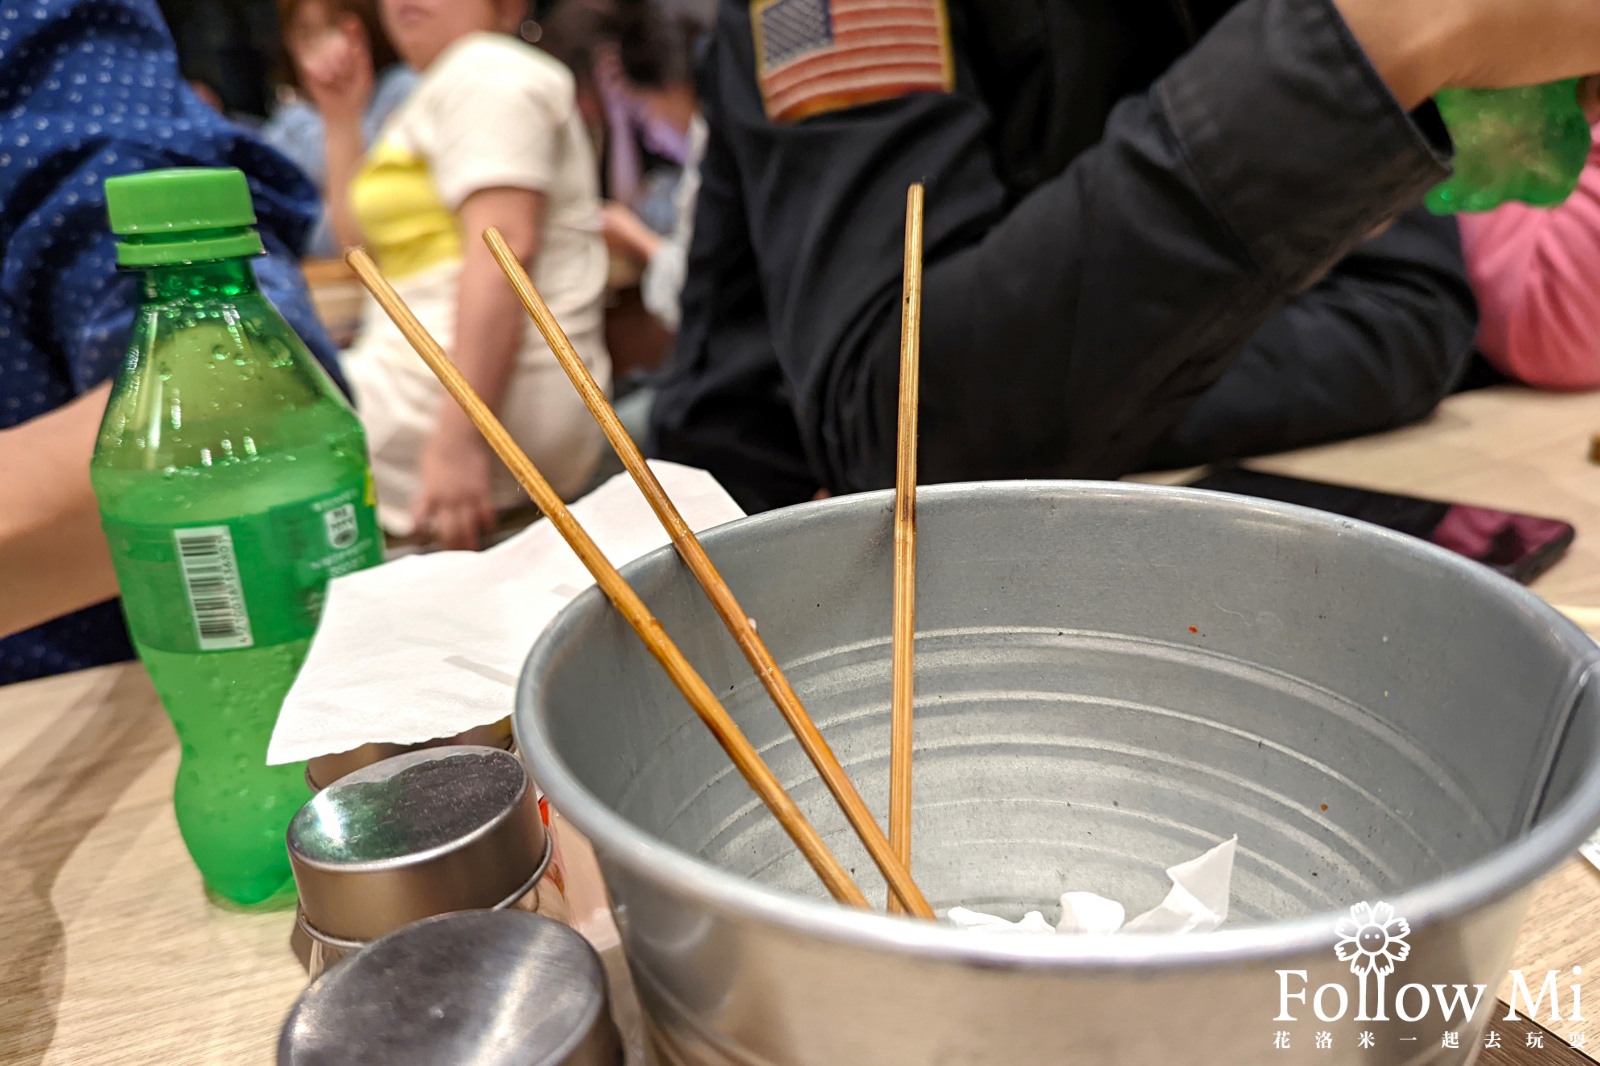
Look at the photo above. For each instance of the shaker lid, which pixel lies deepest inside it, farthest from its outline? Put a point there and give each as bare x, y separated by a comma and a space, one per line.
491, 988
419, 834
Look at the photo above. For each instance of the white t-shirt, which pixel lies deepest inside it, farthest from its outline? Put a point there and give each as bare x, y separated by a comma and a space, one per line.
491, 112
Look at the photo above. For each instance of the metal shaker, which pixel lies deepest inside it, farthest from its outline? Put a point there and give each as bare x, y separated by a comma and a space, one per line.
490, 988
324, 770
421, 834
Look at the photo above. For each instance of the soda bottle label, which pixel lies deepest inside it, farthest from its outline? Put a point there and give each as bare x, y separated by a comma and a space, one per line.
247, 582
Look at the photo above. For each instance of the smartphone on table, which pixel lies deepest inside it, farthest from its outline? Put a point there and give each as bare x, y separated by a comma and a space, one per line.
1517, 545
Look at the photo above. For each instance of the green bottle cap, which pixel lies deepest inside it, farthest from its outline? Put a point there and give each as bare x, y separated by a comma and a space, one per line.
189, 215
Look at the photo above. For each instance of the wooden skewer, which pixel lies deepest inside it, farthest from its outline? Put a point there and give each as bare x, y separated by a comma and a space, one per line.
905, 537
744, 755
716, 588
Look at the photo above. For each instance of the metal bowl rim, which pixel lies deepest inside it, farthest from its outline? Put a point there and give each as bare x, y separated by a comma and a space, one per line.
1497, 876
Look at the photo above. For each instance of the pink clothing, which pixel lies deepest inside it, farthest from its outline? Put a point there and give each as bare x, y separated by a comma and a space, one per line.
1536, 273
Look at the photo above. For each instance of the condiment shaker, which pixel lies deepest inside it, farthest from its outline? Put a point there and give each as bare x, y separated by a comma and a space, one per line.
490, 988
421, 834
324, 770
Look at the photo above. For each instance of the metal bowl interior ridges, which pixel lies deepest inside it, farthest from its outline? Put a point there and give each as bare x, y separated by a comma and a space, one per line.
1109, 680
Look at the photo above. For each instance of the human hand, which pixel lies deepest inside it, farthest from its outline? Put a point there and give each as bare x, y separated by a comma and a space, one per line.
1589, 99
1422, 46
336, 72
625, 232
454, 505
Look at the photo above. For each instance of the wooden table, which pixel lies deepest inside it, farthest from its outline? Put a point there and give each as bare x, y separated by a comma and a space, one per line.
110, 953
337, 295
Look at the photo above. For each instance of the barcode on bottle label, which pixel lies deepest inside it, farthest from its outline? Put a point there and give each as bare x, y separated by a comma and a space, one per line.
216, 598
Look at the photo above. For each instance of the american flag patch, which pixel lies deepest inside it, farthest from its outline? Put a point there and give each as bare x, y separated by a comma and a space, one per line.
815, 56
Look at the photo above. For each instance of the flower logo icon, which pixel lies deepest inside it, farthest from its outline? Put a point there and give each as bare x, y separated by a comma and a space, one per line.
1372, 940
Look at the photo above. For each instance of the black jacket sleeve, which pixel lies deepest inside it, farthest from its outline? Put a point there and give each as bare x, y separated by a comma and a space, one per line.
723, 405
1373, 346
1066, 333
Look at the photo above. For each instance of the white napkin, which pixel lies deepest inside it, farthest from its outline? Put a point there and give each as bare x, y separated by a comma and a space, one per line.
1196, 903
1032, 924
1591, 850
429, 646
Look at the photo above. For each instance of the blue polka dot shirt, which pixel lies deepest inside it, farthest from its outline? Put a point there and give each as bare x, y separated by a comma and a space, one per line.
90, 89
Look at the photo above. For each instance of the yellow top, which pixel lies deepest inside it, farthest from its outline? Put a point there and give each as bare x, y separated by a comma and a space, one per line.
491, 112
407, 226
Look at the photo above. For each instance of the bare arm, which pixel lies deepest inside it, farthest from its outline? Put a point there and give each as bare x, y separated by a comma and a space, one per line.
490, 321
53, 555
454, 503
1421, 46
626, 232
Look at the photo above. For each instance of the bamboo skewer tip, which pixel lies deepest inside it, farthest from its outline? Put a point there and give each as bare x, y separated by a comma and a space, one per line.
905, 539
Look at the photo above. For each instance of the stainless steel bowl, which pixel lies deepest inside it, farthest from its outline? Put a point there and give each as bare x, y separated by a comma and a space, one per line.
1110, 678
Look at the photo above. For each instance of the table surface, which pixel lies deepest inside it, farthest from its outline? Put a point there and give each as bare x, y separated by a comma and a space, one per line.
110, 952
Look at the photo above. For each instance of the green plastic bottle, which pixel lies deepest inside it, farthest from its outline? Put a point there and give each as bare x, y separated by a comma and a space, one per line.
233, 483
1528, 144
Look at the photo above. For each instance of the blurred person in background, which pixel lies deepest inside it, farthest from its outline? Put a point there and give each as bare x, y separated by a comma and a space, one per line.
1159, 232
90, 89
655, 53
491, 136
1534, 271
644, 151
640, 154
229, 46
346, 81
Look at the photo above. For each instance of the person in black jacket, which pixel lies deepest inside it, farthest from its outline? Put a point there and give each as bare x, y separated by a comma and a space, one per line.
1158, 231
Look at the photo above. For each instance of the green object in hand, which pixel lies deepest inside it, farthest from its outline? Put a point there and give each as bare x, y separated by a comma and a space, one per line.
233, 483
1528, 145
